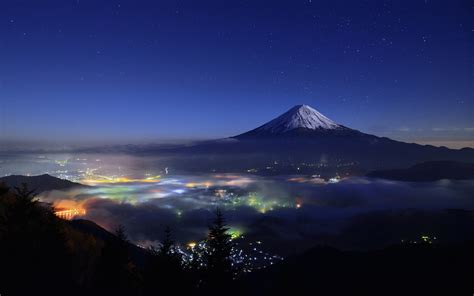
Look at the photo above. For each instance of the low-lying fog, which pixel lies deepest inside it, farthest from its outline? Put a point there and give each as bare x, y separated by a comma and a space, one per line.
287, 213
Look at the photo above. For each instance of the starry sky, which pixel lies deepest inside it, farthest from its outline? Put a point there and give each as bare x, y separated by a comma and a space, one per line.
127, 71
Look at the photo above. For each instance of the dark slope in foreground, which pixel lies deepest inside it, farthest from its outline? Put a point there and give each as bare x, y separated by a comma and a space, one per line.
40, 183
137, 254
400, 270
42, 254
429, 171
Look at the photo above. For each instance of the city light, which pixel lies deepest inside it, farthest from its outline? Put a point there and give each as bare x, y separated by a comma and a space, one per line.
235, 232
117, 180
68, 209
197, 184
69, 214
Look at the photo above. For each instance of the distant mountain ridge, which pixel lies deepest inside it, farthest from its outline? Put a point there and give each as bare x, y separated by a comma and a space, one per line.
429, 171
40, 183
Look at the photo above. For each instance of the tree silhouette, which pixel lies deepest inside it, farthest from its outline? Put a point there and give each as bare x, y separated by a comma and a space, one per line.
23, 192
121, 234
167, 245
33, 246
164, 269
116, 274
4, 189
218, 257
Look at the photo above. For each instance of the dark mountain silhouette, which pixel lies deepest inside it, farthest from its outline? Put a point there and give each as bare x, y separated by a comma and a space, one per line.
429, 171
40, 183
137, 254
409, 269
89, 227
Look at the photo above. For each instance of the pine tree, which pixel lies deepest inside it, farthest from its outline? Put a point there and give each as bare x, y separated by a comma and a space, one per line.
218, 257
164, 267
167, 245
33, 247
121, 234
23, 192
116, 274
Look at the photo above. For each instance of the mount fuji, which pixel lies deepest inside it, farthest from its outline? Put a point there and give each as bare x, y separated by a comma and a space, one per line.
303, 137
301, 120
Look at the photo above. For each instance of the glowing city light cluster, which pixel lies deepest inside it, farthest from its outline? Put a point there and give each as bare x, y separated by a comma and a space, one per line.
117, 180
219, 188
247, 256
199, 184
235, 232
69, 214
260, 203
423, 239
180, 194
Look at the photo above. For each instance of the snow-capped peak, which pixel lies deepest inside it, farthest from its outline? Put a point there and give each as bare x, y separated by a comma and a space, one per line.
301, 116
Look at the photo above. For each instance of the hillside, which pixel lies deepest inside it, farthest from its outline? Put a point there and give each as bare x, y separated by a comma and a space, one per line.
409, 269
429, 171
40, 183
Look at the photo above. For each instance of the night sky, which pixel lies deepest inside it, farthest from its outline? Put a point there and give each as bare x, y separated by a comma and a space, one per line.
89, 70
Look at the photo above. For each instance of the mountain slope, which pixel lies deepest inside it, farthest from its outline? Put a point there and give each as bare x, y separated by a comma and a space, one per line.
408, 269
303, 135
429, 171
298, 121
40, 183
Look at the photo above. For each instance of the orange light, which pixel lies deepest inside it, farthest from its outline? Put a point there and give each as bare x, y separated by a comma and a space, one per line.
112, 180
68, 209
203, 184
69, 214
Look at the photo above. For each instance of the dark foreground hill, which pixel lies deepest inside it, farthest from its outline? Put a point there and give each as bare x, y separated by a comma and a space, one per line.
42, 254
429, 171
412, 269
137, 254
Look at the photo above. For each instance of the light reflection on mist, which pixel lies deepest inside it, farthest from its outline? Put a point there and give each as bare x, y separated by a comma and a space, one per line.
264, 206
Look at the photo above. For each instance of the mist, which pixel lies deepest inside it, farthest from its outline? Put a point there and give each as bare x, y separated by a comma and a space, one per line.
272, 209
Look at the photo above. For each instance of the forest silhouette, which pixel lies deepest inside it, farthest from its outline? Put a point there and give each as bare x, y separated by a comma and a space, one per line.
43, 254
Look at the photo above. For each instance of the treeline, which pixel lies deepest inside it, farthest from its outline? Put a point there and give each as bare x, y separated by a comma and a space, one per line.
42, 254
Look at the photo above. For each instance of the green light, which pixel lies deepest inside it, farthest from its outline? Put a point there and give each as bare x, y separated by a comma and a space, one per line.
235, 232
